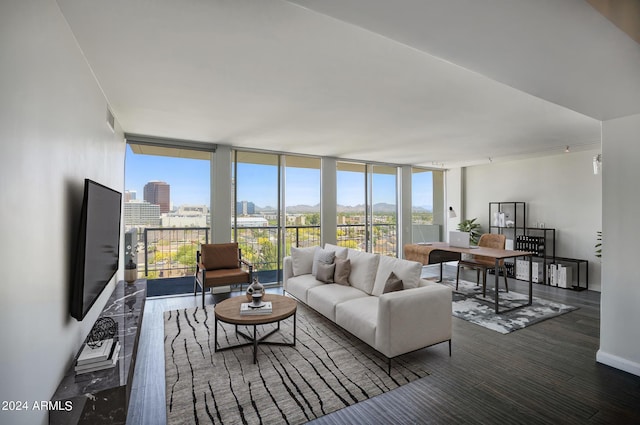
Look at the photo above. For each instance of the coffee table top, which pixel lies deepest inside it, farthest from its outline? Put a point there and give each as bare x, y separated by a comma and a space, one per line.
228, 310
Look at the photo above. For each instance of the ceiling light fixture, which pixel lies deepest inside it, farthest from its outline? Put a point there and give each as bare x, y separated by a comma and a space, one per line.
566, 150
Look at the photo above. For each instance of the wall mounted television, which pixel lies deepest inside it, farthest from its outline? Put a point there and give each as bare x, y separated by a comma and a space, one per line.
98, 247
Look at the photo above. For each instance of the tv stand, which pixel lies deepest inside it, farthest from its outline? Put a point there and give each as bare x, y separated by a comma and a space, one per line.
102, 397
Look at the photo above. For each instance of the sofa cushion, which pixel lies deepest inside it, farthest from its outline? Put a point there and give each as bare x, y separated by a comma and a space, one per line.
341, 252
363, 270
325, 297
407, 271
321, 256
325, 272
302, 260
393, 284
359, 316
298, 286
342, 271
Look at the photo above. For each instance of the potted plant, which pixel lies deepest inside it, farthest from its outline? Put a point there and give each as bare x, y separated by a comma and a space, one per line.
472, 228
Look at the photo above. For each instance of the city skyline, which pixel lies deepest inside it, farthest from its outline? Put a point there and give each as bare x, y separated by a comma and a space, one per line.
189, 180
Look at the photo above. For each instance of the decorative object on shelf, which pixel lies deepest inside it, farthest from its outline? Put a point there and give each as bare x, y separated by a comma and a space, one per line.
472, 228
130, 271
130, 268
255, 290
104, 328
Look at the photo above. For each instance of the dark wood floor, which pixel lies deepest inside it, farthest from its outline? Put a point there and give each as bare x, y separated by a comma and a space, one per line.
543, 374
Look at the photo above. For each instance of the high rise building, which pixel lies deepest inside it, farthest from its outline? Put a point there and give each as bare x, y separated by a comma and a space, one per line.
245, 208
129, 195
158, 193
141, 213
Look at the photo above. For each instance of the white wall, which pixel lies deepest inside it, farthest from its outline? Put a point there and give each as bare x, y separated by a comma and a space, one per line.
619, 312
53, 134
560, 191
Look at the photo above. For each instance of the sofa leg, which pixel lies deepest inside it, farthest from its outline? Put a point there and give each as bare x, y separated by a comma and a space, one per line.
449, 348
389, 366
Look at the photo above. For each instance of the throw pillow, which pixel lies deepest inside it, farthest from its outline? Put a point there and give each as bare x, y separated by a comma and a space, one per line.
302, 260
325, 272
342, 271
341, 252
393, 284
322, 256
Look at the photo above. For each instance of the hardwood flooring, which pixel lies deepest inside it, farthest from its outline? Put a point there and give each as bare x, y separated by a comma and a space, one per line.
543, 374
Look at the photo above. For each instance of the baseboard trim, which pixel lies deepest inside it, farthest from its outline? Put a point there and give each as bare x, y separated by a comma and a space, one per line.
618, 362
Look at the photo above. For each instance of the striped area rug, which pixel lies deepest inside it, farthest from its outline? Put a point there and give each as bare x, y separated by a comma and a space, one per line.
327, 370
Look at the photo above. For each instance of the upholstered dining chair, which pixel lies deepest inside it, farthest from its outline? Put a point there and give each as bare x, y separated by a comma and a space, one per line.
220, 264
481, 263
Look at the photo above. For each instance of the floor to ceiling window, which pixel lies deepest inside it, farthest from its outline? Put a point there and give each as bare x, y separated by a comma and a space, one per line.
352, 211
166, 212
384, 209
301, 201
427, 210
367, 207
256, 216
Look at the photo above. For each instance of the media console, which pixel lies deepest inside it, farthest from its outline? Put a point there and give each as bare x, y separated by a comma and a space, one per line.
102, 397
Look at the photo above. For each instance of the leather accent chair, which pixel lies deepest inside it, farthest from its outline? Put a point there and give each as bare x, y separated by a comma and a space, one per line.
220, 265
481, 263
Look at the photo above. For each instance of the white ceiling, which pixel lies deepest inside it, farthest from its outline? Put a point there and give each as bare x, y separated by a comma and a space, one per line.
435, 83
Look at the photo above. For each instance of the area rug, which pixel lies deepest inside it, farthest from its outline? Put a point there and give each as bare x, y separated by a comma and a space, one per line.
470, 305
328, 369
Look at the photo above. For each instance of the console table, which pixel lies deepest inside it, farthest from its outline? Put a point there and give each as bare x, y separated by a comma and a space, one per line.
102, 397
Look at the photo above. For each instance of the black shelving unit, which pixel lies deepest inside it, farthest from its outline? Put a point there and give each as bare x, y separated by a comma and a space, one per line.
512, 224
540, 241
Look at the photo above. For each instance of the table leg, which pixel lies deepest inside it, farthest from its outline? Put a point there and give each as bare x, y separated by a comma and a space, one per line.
440, 272
294, 327
215, 335
530, 280
255, 344
497, 272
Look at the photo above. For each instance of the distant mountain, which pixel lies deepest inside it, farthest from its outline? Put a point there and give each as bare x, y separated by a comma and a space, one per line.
381, 207
303, 209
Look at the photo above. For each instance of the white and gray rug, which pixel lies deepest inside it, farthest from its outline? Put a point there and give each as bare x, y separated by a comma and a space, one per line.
327, 370
470, 305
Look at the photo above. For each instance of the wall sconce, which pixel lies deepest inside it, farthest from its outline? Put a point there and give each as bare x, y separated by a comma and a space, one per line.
452, 213
597, 164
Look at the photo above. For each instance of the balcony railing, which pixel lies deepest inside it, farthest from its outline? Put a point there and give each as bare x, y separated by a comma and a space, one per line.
171, 252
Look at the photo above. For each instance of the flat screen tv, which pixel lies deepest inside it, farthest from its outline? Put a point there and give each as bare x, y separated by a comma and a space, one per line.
98, 247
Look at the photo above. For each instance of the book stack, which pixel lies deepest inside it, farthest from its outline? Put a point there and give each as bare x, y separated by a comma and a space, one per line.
560, 276
92, 359
250, 308
522, 271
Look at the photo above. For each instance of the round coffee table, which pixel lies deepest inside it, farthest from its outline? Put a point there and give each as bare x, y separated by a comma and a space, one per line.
228, 311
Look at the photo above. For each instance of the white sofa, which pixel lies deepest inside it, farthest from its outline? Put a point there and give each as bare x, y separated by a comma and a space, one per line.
393, 323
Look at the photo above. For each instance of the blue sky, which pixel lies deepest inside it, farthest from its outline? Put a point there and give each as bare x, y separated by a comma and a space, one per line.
189, 181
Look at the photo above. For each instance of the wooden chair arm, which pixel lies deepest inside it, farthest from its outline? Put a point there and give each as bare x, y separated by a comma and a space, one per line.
246, 263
